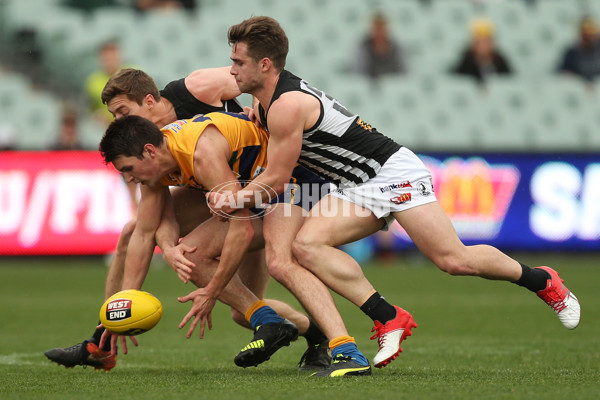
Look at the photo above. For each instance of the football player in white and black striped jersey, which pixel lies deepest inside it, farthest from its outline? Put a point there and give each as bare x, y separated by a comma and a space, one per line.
378, 181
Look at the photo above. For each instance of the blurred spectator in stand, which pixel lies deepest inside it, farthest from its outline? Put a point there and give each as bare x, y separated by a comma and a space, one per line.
89, 5
144, 5
7, 136
583, 57
68, 135
378, 53
481, 59
109, 56
28, 55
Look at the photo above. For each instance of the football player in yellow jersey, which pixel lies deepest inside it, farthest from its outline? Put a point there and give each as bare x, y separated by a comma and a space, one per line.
198, 153
133, 92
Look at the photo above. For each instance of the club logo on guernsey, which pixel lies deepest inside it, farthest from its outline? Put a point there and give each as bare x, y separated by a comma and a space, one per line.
118, 310
423, 189
403, 185
403, 198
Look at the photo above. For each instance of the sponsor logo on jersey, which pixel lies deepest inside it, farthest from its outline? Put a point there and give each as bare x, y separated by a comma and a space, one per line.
403, 198
176, 178
175, 126
364, 125
423, 188
403, 185
118, 310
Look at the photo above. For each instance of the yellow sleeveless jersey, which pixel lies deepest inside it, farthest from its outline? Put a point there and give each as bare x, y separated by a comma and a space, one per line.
248, 145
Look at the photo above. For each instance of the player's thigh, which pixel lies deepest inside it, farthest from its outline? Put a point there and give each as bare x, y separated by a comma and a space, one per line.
280, 226
190, 208
210, 235
431, 230
334, 221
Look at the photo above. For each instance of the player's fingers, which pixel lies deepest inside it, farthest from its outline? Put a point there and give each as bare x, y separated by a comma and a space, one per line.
184, 299
113, 345
209, 319
103, 338
134, 341
124, 344
189, 249
187, 265
192, 327
182, 277
124, 347
202, 327
185, 320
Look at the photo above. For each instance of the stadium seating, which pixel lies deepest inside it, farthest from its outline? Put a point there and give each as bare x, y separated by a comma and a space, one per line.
34, 115
427, 109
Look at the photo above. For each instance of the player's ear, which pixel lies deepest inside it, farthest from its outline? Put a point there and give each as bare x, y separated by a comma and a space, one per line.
149, 101
150, 149
265, 64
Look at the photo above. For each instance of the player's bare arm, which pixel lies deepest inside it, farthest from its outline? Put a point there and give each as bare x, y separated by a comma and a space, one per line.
211, 169
212, 85
288, 117
140, 250
142, 242
167, 238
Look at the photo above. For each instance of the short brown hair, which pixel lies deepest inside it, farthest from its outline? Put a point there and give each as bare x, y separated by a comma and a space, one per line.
264, 38
134, 83
127, 137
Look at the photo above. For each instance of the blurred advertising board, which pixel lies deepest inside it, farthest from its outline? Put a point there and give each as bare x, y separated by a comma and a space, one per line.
60, 203
518, 201
72, 203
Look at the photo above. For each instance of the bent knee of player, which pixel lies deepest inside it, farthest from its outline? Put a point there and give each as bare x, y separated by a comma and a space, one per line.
279, 265
305, 250
455, 266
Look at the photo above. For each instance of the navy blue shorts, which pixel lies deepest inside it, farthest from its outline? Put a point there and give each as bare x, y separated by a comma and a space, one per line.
305, 190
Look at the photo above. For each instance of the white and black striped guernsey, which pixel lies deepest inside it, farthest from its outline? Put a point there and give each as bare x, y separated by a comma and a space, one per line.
186, 105
341, 148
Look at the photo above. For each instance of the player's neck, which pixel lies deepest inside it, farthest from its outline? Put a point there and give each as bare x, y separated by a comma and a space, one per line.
265, 93
167, 162
165, 113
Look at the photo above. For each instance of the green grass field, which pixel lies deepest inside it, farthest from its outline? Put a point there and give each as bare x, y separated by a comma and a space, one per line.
476, 339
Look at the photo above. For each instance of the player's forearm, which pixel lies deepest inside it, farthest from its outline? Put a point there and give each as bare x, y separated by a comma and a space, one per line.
167, 234
114, 277
137, 261
261, 190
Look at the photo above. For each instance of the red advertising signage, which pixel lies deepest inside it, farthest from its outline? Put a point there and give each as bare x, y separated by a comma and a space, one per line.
60, 203
72, 203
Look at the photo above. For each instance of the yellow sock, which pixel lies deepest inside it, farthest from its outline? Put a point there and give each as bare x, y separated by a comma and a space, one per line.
253, 308
340, 340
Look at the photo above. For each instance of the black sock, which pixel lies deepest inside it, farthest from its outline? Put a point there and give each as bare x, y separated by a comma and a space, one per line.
378, 309
534, 279
314, 335
96, 338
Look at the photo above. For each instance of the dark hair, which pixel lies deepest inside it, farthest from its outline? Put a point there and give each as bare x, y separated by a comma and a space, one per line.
127, 137
264, 38
134, 83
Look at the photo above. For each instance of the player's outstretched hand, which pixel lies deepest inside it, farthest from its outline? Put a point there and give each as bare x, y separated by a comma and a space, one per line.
113, 341
201, 310
175, 257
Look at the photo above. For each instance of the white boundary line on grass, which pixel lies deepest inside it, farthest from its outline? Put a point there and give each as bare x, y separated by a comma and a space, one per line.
22, 359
